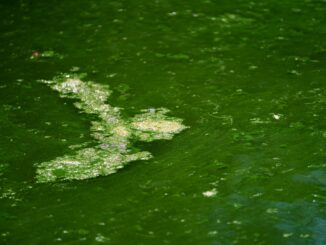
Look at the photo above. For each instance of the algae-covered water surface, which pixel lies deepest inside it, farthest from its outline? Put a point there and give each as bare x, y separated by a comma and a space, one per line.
163, 122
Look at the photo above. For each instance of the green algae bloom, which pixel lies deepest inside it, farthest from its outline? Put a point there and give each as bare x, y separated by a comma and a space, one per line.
114, 134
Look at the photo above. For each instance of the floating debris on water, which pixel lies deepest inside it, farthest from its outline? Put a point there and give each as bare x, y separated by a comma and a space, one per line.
36, 54
113, 133
286, 235
277, 116
210, 193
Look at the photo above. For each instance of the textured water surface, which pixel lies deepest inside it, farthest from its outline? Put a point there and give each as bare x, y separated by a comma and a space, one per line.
247, 77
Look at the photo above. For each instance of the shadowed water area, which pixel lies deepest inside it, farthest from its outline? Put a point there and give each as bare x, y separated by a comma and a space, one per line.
246, 77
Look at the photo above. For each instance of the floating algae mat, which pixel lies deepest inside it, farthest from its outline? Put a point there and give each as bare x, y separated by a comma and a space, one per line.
113, 133
247, 76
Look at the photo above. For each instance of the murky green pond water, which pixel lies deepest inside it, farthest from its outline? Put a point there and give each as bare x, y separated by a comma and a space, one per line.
247, 77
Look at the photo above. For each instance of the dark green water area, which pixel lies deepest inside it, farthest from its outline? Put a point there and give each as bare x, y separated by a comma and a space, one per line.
246, 77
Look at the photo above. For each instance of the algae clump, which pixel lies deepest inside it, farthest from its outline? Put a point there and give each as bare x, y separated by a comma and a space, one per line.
113, 133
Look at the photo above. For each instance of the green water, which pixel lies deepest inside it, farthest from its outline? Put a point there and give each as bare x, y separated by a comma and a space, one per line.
248, 77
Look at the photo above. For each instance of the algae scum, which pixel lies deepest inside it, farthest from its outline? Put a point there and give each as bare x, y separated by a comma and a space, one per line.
112, 133
246, 76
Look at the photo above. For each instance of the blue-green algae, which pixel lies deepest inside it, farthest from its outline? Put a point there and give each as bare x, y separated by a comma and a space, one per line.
247, 77
113, 133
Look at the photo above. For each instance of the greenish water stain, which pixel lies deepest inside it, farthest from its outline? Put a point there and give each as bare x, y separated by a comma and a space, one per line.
247, 77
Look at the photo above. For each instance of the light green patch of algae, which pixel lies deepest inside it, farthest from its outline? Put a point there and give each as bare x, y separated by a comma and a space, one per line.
113, 133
